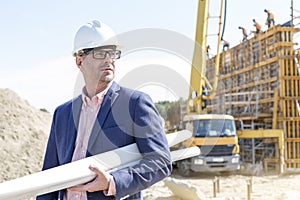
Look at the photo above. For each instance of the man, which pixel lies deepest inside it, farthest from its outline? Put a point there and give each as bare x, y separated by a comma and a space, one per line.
270, 20
244, 33
207, 51
104, 117
225, 44
257, 26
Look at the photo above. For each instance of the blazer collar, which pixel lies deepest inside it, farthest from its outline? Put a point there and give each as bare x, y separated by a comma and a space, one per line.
108, 101
105, 108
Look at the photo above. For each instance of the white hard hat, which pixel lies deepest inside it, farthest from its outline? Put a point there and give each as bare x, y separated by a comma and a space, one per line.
94, 34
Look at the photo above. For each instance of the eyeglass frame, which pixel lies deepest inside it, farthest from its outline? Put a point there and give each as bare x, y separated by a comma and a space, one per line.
85, 52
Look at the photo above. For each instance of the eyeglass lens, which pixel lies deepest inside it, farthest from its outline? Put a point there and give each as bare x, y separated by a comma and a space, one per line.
101, 54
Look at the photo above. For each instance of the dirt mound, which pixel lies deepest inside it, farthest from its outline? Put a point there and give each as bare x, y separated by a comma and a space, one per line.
23, 135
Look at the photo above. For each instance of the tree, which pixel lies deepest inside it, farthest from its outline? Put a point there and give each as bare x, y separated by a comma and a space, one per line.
170, 111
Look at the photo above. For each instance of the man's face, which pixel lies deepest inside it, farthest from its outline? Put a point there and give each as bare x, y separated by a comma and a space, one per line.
98, 66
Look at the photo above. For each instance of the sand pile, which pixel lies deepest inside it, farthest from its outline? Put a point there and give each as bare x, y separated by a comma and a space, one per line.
23, 136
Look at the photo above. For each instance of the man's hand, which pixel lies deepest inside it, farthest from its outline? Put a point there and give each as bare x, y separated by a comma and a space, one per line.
101, 182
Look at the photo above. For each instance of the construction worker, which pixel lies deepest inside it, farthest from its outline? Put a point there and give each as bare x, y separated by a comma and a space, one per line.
257, 26
207, 51
204, 93
244, 33
225, 44
298, 57
270, 20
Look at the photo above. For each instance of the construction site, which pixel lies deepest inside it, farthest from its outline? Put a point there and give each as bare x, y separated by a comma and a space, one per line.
256, 86
259, 84
242, 116
244, 111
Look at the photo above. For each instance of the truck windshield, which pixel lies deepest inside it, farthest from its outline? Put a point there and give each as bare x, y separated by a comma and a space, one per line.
214, 128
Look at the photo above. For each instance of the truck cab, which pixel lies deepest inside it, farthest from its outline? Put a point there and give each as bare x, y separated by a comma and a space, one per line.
215, 135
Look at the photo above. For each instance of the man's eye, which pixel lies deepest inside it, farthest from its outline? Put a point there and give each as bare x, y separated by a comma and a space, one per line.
100, 53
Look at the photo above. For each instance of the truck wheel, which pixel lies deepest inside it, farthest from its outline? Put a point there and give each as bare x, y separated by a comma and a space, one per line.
184, 168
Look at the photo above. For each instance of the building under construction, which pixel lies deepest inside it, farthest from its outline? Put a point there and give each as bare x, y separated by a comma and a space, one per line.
259, 84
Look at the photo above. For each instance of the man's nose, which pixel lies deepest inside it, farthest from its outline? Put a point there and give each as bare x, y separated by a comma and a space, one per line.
108, 58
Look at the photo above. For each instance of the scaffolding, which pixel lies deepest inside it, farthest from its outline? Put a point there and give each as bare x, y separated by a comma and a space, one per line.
259, 84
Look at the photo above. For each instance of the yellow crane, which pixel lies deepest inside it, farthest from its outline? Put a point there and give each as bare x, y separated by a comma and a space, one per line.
214, 134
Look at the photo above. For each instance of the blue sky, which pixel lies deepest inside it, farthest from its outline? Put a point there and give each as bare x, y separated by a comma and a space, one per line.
37, 38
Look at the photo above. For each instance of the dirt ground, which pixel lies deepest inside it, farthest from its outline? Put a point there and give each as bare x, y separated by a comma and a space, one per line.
233, 187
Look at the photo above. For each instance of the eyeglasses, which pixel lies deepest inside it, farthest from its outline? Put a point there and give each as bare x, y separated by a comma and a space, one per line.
101, 53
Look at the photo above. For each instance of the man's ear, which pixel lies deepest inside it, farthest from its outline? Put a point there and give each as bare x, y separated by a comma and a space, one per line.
78, 61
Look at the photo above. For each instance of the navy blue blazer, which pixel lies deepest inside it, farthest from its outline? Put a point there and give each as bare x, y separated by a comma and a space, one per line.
125, 117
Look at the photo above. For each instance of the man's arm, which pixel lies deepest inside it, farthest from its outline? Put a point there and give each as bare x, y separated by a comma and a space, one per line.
152, 143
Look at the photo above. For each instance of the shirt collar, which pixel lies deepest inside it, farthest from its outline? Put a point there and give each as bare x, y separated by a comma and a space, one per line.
95, 100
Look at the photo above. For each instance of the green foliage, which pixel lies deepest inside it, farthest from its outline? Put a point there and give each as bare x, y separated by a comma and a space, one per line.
44, 110
170, 111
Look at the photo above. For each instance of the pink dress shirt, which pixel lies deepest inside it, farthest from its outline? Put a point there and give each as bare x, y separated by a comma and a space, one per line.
88, 115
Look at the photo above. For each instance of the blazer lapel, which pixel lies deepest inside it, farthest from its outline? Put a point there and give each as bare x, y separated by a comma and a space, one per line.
73, 127
105, 108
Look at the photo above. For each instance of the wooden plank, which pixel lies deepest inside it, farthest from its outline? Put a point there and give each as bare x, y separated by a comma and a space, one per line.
289, 119
275, 110
246, 93
249, 68
292, 161
251, 85
296, 139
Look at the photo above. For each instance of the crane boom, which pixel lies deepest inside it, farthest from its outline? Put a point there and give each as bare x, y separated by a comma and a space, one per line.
198, 81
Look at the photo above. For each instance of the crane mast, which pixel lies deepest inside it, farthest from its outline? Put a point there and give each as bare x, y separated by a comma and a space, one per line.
198, 80
214, 134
